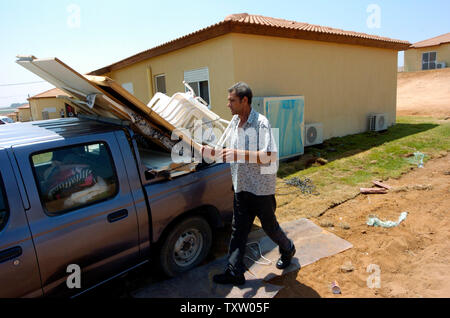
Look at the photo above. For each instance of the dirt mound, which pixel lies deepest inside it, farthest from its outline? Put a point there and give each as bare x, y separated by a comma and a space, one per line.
412, 259
424, 93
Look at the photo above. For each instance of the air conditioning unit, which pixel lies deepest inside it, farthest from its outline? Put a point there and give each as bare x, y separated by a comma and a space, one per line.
313, 134
440, 65
377, 122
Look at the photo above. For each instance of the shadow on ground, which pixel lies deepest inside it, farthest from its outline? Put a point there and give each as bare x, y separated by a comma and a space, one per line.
293, 288
341, 147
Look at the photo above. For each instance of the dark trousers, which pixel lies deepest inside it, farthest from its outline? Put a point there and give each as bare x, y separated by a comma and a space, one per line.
245, 208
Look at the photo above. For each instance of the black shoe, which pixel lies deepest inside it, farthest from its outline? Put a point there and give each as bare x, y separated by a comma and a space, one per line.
286, 257
229, 278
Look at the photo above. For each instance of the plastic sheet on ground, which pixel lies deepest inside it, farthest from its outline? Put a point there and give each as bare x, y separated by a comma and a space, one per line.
312, 243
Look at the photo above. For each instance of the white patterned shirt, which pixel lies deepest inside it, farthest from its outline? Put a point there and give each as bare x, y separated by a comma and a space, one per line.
255, 135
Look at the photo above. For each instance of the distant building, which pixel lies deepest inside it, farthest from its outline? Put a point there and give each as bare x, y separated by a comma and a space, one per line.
14, 116
52, 104
24, 113
429, 54
343, 75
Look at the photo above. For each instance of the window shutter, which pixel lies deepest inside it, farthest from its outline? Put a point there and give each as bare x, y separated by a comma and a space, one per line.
198, 75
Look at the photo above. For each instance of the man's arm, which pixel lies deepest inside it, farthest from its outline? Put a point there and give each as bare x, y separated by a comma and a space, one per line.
234, 155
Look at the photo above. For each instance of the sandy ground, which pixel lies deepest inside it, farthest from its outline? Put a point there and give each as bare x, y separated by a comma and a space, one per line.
424, 93
413, 258
410, 260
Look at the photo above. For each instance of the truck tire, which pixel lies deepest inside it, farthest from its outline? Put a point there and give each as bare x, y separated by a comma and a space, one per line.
186, 246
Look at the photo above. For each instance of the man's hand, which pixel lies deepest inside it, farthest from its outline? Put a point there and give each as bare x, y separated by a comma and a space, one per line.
208, 154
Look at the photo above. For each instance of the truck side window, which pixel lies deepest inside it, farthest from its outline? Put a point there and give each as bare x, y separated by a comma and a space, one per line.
4, 211
74, 177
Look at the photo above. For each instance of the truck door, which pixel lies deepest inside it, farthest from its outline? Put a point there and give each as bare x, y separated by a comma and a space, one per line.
82, 214
19, 271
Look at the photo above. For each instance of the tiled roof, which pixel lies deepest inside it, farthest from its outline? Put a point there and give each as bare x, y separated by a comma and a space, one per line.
287, 24
26, 106
50, 93
260, 25
437, 40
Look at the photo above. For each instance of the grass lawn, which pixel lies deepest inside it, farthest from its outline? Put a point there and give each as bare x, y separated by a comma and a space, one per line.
354, 161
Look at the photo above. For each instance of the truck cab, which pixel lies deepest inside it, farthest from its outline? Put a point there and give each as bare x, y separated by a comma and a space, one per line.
76, 198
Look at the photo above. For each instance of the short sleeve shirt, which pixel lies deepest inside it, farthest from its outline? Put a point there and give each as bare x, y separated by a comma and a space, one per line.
255, 135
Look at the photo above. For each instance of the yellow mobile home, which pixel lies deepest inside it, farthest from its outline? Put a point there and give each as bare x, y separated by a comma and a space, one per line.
51, 104
343, 75
429, 54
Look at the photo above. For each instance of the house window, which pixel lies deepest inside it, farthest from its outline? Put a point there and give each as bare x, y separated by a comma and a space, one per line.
428, 61
160, 83
128, 87
199, 81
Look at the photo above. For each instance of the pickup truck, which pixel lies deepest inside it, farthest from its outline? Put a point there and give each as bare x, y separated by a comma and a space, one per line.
82, 193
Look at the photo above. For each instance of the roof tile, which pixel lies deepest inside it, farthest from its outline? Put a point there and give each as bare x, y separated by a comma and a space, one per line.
50, 93
437, 40
281, 27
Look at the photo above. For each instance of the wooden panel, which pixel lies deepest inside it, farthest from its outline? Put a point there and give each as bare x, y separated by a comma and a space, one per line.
112, 100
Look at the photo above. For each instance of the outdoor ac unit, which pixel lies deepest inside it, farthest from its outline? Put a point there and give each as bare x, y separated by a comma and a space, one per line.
377, 122
313, 134
440, 65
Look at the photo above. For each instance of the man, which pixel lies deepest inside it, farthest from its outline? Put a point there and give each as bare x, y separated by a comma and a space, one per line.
251, 153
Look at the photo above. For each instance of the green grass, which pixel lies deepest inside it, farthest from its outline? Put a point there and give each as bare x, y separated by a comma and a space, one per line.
358, 159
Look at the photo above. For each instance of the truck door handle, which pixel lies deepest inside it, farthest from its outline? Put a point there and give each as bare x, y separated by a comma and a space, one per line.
10, 253
118, 215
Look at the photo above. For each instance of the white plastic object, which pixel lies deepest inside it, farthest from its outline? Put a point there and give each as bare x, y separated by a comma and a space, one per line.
182, 110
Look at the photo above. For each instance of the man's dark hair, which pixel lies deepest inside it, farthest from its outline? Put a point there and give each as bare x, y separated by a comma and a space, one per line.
241, 90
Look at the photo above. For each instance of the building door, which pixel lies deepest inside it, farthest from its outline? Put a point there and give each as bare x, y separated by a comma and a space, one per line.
286, 115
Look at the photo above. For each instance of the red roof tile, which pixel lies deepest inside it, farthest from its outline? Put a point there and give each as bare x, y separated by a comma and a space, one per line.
50, 93
260, 25
437, 40
26, 106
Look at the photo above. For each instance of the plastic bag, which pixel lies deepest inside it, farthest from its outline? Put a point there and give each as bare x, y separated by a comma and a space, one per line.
374, 221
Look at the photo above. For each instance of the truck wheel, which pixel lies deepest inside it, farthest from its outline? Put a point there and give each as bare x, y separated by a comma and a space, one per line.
186, 246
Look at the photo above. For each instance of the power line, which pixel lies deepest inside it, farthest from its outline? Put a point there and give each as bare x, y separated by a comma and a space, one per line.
24, 83
3, 97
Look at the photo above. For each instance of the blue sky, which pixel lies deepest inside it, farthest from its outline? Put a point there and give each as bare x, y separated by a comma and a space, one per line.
88, 35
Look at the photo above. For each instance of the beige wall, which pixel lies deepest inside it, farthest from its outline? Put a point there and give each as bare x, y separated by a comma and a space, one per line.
216, 54
341, 83
38, 105
413, 57
24, 114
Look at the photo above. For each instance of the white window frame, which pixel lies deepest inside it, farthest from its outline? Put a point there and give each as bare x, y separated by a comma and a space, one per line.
156, 82
429, 61
195, 76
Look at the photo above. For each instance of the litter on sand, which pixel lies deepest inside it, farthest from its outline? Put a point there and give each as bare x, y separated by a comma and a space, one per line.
306, 185
374, 221
372, 190
418, 159
335, 288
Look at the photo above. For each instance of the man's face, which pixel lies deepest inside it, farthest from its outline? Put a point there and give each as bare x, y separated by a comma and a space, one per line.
235, 104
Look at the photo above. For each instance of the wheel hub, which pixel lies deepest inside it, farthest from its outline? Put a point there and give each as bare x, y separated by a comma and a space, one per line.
188, 247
